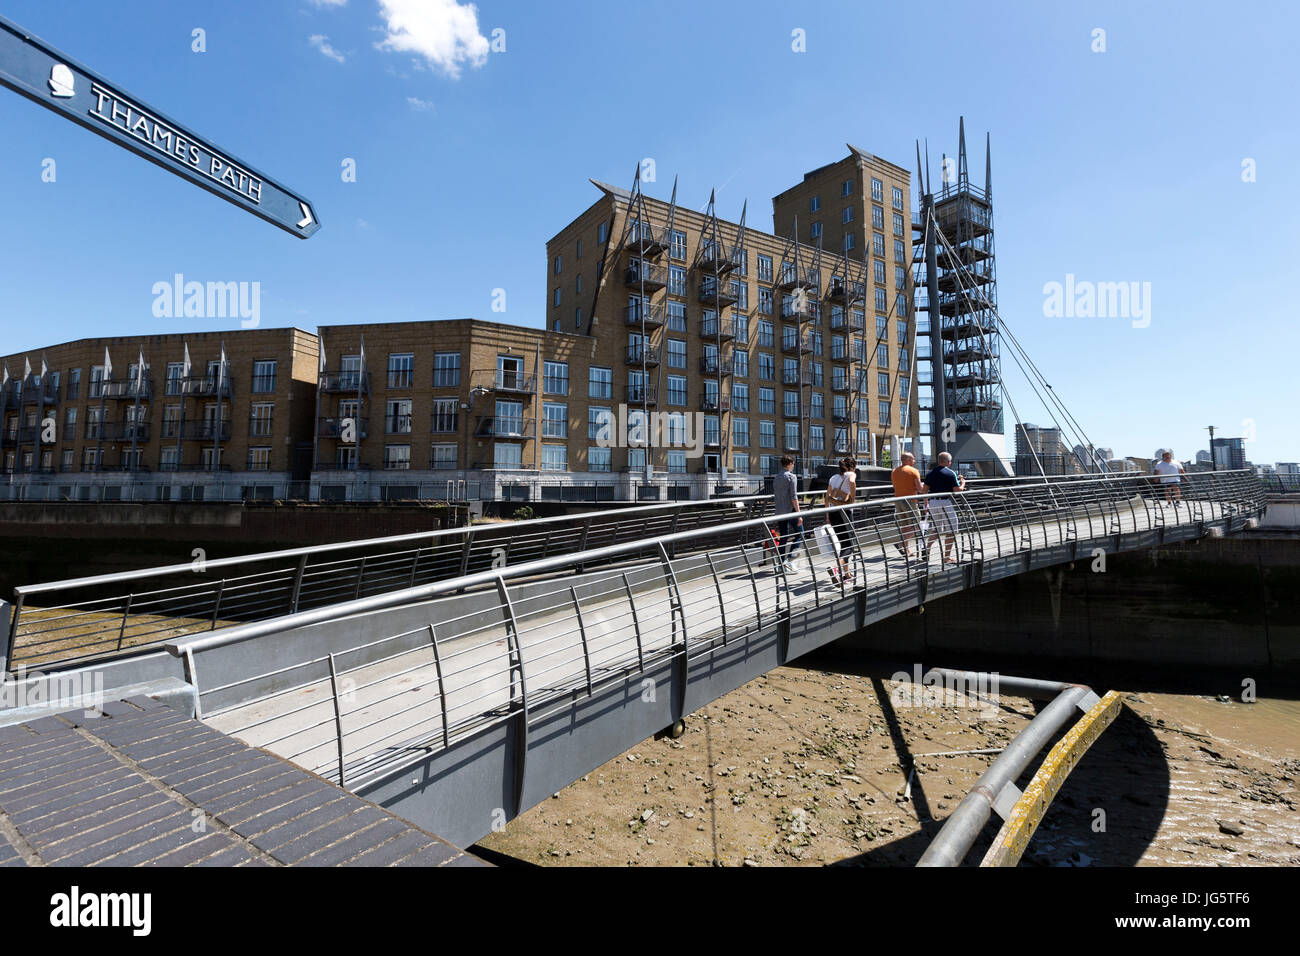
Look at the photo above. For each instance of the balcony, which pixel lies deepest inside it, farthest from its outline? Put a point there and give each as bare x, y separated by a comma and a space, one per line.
349, 381
38, 393
650, 317
200, 386
839, 353
712, 403
789, 411
717, 294
718, 330
647, 278
807, 310
202, 431
800, 344
790, 278
645, 241
846, 293
126, 431
30, 470
504, 426
790, 377
126, 390
791, 444
334, 427
840, 418
642, 355
123, 468
397, 424
711, 365
642, 395
341, 466
505, 380
716, 259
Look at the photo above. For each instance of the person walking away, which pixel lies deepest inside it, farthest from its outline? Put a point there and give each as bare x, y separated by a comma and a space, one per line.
785, 501
941, 482
1169, 474
842, 490
907, 482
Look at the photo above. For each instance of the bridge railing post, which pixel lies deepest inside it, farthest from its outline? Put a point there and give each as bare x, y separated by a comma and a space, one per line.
582, 635
636, 622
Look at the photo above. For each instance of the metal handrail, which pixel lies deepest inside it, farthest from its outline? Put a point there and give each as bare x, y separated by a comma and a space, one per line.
695, 590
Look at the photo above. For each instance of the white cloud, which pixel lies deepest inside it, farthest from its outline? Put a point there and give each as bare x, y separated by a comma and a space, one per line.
329, 3
443, 33
322, 43
419, 105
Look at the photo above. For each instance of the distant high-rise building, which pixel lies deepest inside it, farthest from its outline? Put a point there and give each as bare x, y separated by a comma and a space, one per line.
1040, 451
1229, 453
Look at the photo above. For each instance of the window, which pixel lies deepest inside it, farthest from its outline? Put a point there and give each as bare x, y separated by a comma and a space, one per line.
882, 300
740, 464
600, 424
636, 459
676, 462
764, 268
864, 443
898, 224
900, 278
847, 214
898, 201
577, 320
877, 217
442, 457
904, 389
902, 332
555, 420
815, 230
444, 416
740, 363
767, 434
557, 265
578, 253
877, 190
555, 296
740, 289
70, 422
846, 188
677, 280
739, 397
790, 404
397, 416
677, 245
904, 358
817, 437
878, 244
507, 455
175, 372
599, 459
766, 366
397, 457
555, 378
555, 458
882, 383
677, 390
815, 203
849, 242
676, 317
74, 383
767, 401
259, 423
446, 369
264, 376
898, 250
401, 367
900, 304
878, 269
602, 232
791, 436
740, 327
577, 282
765, 301
766, 336
882, 355
677, 353
600, 383
740, 432
884, 413
817, 405
259, 458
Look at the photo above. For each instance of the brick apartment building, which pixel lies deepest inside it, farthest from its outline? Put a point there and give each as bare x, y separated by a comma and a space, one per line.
799, 342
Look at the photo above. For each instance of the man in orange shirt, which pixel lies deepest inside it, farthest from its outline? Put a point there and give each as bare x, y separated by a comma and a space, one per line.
907, 481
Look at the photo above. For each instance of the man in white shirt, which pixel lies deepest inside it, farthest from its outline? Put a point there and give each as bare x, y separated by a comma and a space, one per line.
1169, 473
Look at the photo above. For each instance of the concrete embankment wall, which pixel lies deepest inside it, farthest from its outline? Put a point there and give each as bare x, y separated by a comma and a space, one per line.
1219, 603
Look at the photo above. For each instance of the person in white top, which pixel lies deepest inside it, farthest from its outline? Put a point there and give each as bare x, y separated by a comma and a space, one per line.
1169, 473
842, 490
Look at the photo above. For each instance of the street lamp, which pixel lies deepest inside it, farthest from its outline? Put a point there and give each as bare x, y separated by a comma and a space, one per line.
1214, 462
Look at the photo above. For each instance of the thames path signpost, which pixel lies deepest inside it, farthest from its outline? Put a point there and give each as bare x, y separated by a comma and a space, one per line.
41, 73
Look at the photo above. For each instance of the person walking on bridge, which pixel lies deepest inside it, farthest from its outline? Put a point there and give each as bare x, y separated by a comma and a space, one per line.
785, 501
907, 482
1169, 474
941, 482
842, 490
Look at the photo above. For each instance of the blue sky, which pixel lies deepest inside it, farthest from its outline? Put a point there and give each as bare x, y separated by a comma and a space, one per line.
1122, 165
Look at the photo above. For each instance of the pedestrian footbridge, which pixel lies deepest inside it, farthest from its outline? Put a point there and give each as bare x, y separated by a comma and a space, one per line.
459, 678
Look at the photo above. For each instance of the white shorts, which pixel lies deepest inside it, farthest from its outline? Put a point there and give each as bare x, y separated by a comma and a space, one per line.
943, 516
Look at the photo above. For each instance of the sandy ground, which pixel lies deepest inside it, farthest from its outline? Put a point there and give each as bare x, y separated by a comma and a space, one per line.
815, 767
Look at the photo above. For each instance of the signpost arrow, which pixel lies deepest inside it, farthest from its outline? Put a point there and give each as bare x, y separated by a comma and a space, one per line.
44, 75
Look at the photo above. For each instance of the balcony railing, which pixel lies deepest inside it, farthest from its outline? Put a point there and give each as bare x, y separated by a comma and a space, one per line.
203, 431
199, 386
649, 277
846, 292
125, 390
126, 431
33, 393
712, 403
505, 380
710, 365
644, 240
791, 278
717, 294
397, 424
193, 467
642, 355
718, 259
347, 380
652, 316
807, 310
642, 395
717, 329
335, 427
505, 426
802, 344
